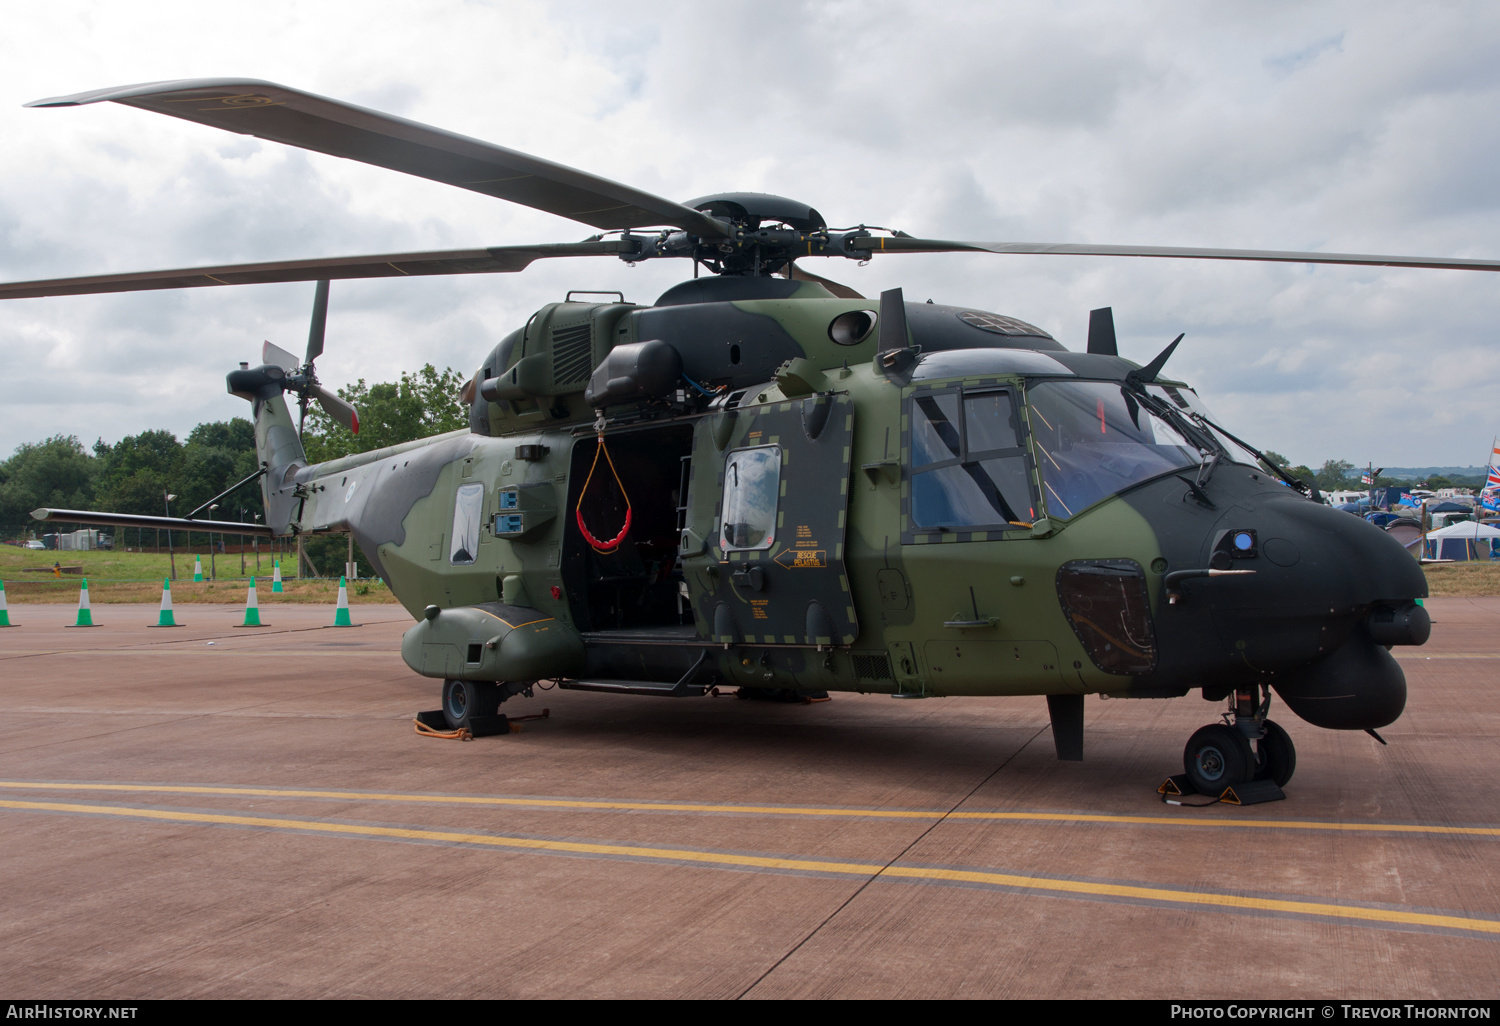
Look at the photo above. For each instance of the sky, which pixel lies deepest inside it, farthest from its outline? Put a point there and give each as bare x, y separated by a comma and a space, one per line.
1344, 127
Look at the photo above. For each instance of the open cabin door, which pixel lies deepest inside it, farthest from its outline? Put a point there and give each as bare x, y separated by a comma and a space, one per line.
764, 543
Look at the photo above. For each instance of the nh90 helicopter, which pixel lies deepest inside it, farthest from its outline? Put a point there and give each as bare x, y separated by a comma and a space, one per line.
764, 479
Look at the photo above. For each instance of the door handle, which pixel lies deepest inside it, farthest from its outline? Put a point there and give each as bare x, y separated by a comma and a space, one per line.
752, 578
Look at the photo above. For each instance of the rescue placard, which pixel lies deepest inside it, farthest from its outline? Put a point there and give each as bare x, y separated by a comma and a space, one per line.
795, 558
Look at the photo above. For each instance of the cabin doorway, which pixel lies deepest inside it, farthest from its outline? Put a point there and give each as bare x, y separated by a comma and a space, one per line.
637, 584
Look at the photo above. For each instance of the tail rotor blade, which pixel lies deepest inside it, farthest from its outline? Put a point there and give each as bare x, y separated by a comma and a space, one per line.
273, 354
319, 322
338, 409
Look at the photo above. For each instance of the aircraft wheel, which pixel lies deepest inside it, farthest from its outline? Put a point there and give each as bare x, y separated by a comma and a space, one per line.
1217, 757
465, 698
1277, 757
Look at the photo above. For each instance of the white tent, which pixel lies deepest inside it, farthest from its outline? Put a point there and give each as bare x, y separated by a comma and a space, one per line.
1463, 541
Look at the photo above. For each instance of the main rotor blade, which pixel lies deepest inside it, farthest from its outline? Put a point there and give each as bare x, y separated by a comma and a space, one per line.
319, 324
270, 111
908, 245
497, 260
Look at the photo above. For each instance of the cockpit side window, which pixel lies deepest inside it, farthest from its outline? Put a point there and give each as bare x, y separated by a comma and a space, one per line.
969, 468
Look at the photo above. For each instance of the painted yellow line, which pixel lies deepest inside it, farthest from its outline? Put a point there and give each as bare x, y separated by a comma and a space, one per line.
772, 810
1044, 885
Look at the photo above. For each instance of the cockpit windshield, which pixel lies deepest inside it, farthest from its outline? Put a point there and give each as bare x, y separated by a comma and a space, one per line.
1095, 439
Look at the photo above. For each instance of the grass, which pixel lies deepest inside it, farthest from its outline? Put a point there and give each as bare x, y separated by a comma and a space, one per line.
137, 577
1466, 579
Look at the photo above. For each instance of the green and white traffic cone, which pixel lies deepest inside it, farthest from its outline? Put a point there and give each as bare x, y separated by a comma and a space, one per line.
85, 614
341, 615
252, 608
164, 618
276, 577
197, 568
4, 613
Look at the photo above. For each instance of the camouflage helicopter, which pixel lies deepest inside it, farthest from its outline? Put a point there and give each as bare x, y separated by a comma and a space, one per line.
766, 480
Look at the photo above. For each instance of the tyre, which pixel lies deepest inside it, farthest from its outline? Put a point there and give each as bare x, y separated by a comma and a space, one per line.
1217, 757
465, 698
1277, 757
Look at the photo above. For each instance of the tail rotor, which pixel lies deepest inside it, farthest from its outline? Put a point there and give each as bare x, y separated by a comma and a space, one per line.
302, 378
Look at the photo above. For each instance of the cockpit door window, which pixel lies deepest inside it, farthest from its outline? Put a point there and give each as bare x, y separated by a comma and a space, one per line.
970, 473
752, 487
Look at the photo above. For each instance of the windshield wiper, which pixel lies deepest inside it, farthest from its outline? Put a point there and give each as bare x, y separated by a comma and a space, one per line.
1208, 466
1159, 407
1311, 491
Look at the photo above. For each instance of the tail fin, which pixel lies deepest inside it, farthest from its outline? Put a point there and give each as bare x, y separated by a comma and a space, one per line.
276, 443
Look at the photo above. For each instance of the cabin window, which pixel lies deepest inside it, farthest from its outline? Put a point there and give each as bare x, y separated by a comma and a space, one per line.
1094, 440
968, 459
752, 488
468, 509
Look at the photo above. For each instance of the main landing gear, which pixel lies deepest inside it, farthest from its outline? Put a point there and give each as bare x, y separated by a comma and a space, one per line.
1245, 747
465, 701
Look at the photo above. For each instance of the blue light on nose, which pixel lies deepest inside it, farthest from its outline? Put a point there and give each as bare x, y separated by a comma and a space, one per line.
1244, 541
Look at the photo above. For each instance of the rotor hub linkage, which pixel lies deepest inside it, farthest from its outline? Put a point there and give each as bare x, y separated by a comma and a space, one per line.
748, 250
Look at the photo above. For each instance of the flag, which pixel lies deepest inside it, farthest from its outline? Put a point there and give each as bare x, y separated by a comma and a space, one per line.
1366, 479
1406, 499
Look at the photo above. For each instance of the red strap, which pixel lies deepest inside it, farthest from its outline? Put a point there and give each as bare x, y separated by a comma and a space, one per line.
602, 546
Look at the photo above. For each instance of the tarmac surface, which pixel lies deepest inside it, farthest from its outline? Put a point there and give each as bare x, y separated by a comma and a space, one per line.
221, 812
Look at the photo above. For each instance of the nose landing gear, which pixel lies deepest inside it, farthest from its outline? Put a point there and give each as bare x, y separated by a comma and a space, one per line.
1245, 747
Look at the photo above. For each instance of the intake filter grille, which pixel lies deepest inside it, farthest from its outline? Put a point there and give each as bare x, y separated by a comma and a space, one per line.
572, 354
872, 667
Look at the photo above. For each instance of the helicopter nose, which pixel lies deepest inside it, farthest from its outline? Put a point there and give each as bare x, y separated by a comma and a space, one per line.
1329, 594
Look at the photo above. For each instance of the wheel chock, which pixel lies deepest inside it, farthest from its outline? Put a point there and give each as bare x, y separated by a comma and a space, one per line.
1252, 792
1178, 786
432, 718
489, 726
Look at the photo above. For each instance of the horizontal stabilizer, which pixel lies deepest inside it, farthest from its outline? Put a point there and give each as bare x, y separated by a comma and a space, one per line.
88, 516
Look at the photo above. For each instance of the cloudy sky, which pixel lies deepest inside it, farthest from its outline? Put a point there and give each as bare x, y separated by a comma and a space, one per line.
1363, 127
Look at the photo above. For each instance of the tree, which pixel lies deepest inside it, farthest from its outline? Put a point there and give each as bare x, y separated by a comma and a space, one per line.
57, 472
136, 471
421, 404
1334, 475
217, 455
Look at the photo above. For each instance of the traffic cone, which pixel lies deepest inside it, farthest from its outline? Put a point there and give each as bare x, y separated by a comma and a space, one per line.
164, 618
197, 568
341, 614
276, 577
4, 613
85, 614
252, 609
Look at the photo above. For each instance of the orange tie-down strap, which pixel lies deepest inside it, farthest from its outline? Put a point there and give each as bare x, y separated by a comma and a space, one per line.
613, 543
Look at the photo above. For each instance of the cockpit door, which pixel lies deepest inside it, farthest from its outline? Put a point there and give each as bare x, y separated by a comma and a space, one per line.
764, 547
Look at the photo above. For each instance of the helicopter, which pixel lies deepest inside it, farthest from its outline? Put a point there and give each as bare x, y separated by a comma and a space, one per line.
768, 481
